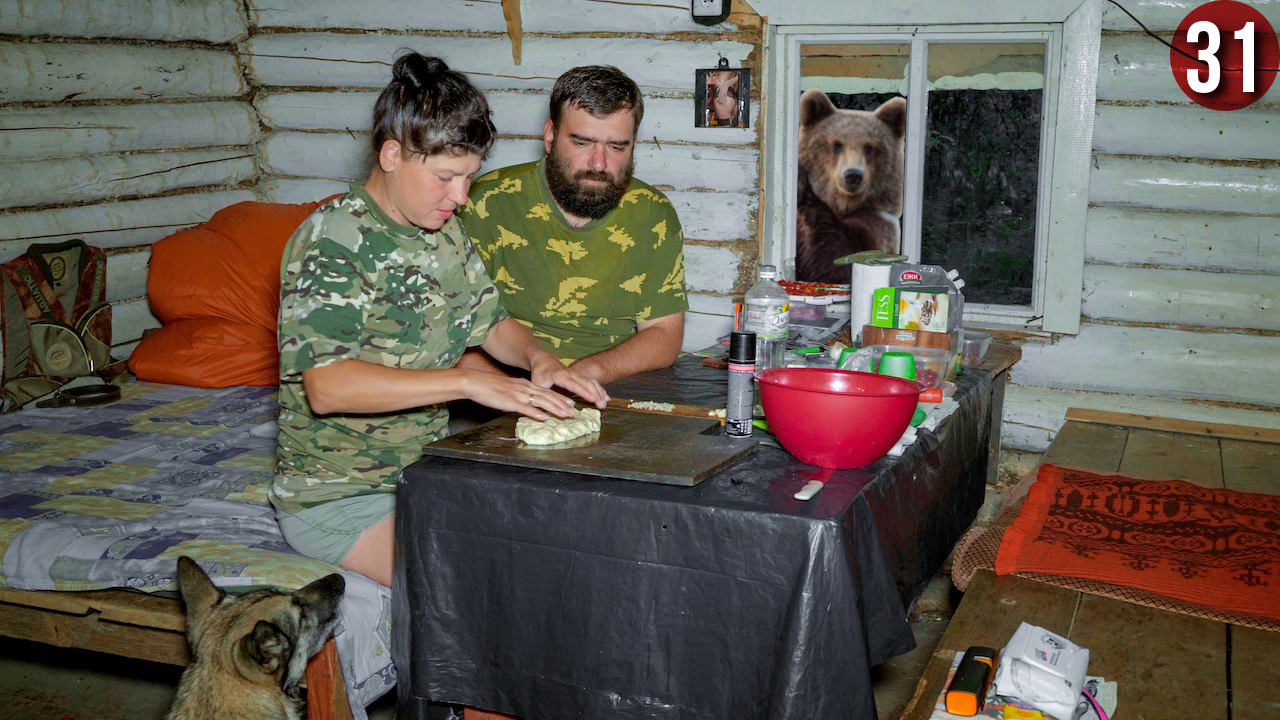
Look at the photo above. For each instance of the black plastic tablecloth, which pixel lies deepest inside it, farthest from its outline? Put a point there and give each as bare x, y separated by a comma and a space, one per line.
554, 595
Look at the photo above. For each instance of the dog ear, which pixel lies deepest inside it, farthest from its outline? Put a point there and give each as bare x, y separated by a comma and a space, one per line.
265, 650
814, 106
323, 593
894, 114
198, 594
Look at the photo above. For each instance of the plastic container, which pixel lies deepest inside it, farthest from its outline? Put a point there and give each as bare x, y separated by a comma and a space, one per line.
836, 418
973, 347
806, 308
933, 366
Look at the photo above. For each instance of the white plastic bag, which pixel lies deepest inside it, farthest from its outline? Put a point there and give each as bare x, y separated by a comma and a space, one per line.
1042, 669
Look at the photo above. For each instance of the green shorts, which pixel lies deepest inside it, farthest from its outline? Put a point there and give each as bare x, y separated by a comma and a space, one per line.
328, 531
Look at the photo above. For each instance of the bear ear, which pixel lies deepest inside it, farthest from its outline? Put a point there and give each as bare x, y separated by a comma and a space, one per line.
815, 106
894, 114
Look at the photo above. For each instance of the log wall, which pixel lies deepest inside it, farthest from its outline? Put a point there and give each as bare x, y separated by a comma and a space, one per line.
120, 122
317, 68
1182, 252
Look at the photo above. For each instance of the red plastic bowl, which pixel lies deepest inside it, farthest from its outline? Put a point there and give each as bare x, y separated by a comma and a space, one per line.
836, 418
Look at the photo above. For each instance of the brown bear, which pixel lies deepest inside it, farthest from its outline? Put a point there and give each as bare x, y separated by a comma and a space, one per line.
850, 189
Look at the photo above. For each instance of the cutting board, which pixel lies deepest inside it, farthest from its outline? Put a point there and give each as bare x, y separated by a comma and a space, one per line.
643, 446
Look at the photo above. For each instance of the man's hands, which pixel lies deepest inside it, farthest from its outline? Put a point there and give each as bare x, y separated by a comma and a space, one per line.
512, 344
547, 371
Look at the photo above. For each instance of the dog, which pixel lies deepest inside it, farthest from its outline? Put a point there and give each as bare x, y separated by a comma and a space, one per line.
248, 653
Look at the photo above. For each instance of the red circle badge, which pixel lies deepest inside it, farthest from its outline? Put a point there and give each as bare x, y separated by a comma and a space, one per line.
1233, 55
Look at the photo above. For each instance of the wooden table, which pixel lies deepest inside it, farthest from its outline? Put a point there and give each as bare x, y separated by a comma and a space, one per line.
1168, 665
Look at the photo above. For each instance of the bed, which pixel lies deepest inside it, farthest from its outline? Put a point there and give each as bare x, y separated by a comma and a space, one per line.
108, 497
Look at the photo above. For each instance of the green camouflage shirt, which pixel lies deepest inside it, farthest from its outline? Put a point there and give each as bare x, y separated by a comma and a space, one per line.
356, 284
581, 290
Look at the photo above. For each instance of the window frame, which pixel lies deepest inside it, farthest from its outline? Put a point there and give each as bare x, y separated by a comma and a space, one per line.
1071, 67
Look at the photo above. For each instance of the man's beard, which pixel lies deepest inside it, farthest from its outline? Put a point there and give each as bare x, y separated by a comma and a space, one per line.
576, 197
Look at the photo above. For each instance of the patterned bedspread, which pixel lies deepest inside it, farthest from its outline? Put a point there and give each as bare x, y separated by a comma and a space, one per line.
111, 496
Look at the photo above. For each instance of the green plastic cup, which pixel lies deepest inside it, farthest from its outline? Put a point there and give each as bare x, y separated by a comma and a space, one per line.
898, 364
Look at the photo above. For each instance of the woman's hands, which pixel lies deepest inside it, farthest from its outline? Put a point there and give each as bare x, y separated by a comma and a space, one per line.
513, 394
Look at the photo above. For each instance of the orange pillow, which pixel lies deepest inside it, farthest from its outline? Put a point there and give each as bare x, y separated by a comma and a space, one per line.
216, 288
208, 352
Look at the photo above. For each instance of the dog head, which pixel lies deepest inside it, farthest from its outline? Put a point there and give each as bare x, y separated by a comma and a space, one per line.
265, 636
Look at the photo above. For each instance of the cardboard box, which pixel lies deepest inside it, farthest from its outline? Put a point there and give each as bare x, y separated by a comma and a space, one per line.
872, 335
915, 309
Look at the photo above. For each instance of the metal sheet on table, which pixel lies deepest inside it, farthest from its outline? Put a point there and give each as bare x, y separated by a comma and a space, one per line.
630, 445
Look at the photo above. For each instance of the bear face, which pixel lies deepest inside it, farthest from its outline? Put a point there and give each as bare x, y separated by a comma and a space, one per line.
853, 159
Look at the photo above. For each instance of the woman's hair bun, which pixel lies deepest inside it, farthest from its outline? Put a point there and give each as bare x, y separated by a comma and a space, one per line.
430, 109
415, 69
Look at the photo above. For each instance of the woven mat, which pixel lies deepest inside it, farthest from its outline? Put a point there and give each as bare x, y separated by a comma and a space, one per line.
979, 547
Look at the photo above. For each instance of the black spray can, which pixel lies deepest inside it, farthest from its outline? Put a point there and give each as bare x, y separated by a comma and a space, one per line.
742, 370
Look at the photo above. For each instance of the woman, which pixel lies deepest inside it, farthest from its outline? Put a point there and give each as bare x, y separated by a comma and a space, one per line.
381, 292
722, 91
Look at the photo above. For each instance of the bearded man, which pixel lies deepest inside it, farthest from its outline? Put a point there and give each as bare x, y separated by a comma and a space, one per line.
584, 254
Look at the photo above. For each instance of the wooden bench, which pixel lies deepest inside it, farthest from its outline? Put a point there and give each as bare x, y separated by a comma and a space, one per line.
1168, 665
135, 625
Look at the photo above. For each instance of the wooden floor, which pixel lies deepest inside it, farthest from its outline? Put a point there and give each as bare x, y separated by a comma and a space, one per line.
1168, 666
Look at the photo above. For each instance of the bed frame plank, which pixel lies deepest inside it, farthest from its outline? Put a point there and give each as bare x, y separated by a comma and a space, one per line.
1173, 456
1255, 692
1166, 664
1251, 467
1096, 448
120, 606
91, 631
1193, 427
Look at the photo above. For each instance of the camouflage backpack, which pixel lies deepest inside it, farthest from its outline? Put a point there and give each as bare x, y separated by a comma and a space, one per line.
55, 323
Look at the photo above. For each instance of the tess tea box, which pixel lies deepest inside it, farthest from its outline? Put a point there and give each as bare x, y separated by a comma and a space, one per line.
915, 309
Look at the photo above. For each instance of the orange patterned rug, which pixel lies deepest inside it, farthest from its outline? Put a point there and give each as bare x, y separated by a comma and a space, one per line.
1212, 547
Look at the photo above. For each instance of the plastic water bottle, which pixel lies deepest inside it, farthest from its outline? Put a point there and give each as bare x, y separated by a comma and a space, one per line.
767, 307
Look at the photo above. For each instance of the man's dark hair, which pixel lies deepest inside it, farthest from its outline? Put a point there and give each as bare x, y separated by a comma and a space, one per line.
601, 90
432, 110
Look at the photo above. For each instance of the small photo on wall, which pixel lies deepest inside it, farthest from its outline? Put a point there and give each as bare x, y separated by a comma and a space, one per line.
723, 97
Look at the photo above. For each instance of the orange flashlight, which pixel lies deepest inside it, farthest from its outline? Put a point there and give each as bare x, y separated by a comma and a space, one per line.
968, 689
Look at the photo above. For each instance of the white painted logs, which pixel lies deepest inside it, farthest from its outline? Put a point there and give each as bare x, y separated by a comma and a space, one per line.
300, 190
51, 72
704, 216
522, 114
339, 156
1136, 67
1183, 185
1182, 297
51, 132
710, 268
99, 177
1187, 131
1163, 16
127, 275
114, 224
1156, 361
1212, 241
215, 21
364, 61
129, 319
1033, 415
542, 16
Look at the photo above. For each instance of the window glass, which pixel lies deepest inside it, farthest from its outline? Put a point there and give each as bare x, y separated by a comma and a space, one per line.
850, 164
981, 174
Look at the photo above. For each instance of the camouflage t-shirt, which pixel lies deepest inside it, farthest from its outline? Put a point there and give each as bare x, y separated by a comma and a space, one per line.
581, 290
355, 284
